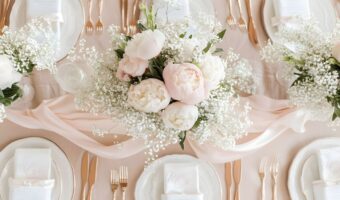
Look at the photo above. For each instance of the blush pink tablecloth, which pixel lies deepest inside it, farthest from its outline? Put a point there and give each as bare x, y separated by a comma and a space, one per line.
63, 120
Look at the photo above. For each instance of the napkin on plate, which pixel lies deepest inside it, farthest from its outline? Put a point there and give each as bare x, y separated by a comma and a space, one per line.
21, 189
45, 8
326, 190
285, 10
175, 11
329, 164
181, 182
32, 175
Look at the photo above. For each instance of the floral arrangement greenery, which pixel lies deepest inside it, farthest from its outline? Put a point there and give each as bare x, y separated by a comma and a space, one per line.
311, 62
21, 51
167, 83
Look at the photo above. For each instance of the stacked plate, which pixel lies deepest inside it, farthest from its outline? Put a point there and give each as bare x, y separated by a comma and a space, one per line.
62, 171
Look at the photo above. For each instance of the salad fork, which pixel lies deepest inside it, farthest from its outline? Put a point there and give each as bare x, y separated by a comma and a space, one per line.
89, 24
123, 180
230, 18
241, 22
262, 174
99, 24
274, 169
114, 182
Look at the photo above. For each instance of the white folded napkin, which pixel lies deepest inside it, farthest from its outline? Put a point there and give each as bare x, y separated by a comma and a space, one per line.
175, 11
25, 189
32, 175
182, 197
32, 163
286, 10
46, 8
326, 190
329, 164
181, 182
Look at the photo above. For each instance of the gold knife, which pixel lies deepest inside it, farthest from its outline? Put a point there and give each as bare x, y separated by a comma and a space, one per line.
228, 179
251, 26
122, 15
84, 174
237, 178
135, 16
92, 176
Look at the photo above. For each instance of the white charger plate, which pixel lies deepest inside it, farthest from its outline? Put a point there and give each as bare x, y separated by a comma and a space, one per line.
150, 185
299, 175
322, 11
70, 29
62, 170
310, 173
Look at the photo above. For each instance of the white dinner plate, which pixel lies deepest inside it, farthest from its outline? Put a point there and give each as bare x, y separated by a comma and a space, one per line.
321, 10
150, 185
301, 165
310, 173
62, 170
70, 29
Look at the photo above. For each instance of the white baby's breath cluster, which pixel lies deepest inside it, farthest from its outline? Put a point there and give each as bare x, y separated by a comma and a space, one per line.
306, 55
223, 118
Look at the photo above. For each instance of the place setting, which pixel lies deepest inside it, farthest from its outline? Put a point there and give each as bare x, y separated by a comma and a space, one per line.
155, 105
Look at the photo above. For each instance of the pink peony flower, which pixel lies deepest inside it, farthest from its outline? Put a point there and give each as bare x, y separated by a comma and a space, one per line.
133, 66
184, 82
145, 45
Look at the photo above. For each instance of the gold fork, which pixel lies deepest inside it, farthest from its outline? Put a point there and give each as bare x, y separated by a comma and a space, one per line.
114, 182
262, 174
123, 180
274, 169
241, 22
89, 24
99, 24
230, 18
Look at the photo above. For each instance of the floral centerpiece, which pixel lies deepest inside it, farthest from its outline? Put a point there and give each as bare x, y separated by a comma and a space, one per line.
167, 83
21, 51
311, 60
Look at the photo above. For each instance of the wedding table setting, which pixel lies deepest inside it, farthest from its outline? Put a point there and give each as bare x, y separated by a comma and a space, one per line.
169, 99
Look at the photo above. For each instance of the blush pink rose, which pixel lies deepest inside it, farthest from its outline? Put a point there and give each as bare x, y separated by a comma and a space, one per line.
133, 66
145, 45
121, 75
184, 82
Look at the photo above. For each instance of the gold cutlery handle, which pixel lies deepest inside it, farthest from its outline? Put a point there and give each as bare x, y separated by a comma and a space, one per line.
237, 192
123, 195
275, 189
228, 194
83, 192
240, 7
89, 17
100, 8
89, 194
231, 6
114, 195
263, 189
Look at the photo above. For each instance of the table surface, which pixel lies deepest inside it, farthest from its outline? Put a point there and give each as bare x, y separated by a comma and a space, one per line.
284, 147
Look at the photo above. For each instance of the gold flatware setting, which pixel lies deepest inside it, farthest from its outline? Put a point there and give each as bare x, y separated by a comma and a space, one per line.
114, 183
274, 170
263, 175
88, 176
241, 21
84, 174
231, 21
233, 174
271, 167
92, 177
89, 24
99, 24
123, 180
228, 179
237, 172
251, 26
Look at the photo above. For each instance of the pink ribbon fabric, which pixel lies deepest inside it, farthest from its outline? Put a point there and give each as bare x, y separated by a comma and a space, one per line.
270, 119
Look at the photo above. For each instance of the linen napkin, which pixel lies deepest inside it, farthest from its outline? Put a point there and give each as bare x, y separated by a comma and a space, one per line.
329, 164
175, 11
30, 189
32, 175
46, 8
326, 190
286, 10
181, 182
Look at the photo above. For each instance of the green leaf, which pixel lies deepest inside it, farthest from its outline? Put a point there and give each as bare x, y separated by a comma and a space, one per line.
141, 27
120, 53
182, 136
182, 35
206, 49
1, 94
221, 34
218, 50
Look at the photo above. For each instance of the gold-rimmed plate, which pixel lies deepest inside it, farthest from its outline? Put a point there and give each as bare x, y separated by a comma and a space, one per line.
62, 170
70, 30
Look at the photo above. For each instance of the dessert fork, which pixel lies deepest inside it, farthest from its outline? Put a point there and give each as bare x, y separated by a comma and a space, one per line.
114, 182
123, 180
99, 24
241, 22
230, 18
89, 24
274, 169
262, 174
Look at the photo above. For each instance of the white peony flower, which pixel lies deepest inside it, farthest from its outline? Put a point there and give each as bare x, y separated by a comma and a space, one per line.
212, 69
145, 45
150, 95
180, 116
8, 74
336, 51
